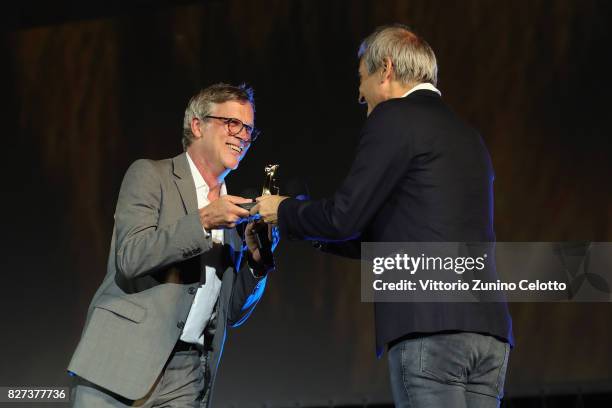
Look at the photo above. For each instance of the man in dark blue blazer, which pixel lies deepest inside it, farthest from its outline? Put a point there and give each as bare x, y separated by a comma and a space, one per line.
420, 175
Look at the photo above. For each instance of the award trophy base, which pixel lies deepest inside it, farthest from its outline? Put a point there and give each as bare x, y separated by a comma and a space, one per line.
269, 187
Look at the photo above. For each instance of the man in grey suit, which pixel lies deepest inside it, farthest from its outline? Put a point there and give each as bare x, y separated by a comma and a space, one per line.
178, 272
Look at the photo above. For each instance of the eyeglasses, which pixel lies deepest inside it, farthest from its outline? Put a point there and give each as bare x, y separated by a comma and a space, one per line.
235, 126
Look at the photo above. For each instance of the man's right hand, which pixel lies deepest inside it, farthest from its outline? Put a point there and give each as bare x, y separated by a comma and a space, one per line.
223, 212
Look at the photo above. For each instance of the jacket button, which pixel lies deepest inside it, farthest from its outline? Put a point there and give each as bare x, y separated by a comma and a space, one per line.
180, 325
192, 290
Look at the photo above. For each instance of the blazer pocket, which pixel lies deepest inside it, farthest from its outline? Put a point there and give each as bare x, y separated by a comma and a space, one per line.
122, 307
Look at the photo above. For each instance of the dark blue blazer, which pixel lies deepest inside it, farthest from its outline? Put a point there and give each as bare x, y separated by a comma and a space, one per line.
420, 175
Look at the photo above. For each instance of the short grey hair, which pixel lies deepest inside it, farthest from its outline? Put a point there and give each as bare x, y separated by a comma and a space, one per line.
412, 58
201, 104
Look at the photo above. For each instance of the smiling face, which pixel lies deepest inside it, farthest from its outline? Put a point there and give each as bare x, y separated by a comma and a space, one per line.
214, 144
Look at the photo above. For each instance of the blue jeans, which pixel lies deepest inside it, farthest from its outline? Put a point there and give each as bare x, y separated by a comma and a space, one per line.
454, 370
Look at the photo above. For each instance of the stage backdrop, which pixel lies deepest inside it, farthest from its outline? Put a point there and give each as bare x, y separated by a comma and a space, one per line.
86, 98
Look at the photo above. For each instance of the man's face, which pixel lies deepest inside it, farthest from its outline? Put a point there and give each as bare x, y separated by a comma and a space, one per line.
370, 87
221, 150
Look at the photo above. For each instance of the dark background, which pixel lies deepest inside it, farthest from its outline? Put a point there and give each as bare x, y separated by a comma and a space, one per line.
90, 87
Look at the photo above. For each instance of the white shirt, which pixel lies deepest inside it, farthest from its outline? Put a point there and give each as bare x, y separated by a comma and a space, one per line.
202, 308
424, 85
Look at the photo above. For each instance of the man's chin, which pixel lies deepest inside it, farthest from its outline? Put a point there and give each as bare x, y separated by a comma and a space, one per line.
232, 164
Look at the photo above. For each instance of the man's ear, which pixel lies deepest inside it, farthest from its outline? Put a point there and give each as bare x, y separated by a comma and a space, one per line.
387, 71
195, 128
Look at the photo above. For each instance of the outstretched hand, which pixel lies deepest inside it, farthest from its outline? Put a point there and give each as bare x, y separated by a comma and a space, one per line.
223, 212
267, 208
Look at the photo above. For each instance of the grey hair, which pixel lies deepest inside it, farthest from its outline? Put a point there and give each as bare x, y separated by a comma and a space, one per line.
412, 58
201, 104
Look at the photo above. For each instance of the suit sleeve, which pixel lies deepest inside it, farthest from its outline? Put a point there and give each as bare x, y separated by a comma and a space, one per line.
383, 155
144, 246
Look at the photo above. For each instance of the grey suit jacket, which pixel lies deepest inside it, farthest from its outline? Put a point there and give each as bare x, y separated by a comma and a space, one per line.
154, 269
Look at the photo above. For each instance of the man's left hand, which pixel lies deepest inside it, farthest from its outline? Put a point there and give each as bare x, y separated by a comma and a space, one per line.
267, 208
252, 241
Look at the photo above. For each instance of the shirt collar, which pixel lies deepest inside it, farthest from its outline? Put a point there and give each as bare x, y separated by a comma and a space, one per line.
424, 85
199, 180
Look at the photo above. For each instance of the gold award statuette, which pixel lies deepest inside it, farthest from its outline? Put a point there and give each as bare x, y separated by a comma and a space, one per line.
262, 233
270, 185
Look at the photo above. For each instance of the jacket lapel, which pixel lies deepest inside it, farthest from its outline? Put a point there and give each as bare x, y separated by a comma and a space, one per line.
186, 187
184, 183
